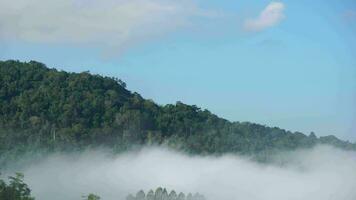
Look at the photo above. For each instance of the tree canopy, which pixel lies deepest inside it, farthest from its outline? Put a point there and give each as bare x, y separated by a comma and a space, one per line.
162, 194
49, 110
16, 189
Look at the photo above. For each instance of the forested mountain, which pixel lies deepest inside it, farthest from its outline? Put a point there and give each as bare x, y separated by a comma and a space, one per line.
50, 110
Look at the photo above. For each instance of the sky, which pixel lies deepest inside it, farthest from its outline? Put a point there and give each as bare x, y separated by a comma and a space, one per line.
289, 64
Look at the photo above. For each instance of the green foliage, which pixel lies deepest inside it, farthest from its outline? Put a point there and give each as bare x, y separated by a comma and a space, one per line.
92, 197
16, 189
43, 109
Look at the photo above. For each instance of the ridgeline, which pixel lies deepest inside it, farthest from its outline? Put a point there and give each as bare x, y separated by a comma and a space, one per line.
44, 109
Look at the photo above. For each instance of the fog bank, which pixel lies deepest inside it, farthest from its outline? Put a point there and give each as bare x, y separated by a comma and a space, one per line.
321, 173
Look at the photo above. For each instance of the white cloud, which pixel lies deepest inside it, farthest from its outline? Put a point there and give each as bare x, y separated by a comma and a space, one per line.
111, 23
270, 16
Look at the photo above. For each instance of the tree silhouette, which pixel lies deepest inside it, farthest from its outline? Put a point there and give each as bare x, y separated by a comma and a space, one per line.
162, 194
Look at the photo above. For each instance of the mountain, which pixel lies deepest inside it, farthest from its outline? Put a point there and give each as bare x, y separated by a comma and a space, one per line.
50, 110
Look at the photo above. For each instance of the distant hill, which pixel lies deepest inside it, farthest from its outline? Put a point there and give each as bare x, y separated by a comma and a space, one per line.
47, 109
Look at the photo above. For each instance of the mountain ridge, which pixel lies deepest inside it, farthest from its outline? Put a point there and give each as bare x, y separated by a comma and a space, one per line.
43, 108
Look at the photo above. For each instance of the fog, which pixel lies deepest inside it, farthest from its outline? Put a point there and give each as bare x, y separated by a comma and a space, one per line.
321, 173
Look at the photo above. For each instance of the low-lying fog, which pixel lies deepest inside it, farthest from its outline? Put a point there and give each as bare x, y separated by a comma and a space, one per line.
322, 173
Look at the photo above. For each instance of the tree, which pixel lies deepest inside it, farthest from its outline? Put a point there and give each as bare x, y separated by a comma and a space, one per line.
158, 193
164, 194
140, 195
92, 197
150, 195
16, 189
172, 195
181, 196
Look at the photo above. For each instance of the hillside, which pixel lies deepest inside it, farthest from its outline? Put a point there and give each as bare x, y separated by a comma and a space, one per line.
47, 109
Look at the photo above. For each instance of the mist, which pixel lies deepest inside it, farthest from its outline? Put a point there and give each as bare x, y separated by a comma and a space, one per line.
321, 173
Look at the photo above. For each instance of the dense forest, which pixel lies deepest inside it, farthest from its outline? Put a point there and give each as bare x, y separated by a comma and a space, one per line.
46, 110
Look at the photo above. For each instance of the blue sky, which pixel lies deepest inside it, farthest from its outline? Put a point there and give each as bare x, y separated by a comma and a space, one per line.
289, 64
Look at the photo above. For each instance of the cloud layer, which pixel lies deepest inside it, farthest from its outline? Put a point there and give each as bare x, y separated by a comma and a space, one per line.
317, 174
116, 23
112, 24
270, 16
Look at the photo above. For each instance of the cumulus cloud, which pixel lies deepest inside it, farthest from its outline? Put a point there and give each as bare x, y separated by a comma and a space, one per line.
270, 16
117, 23
315, 174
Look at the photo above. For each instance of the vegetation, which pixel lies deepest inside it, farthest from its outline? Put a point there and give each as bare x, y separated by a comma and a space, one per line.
16, 189
45, 110
162, 194
92, 197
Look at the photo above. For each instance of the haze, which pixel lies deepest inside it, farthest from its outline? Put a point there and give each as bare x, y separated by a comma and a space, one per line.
317, 174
